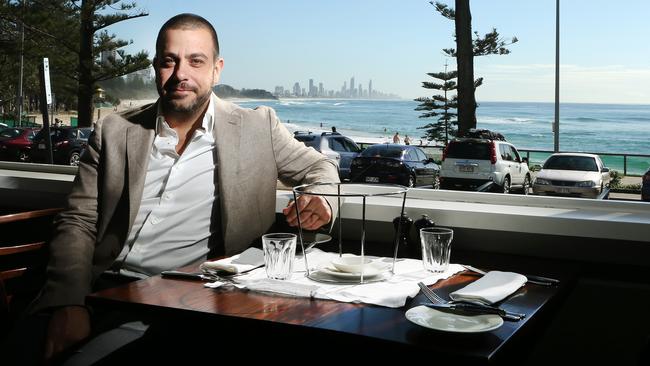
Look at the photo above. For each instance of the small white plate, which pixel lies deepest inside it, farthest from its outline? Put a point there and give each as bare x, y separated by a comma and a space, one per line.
371, 271
450, 322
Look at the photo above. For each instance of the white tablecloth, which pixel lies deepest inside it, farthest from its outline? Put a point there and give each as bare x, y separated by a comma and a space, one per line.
393, 292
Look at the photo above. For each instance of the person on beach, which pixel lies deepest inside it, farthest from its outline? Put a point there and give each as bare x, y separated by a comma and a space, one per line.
407, 140
396, 139
334, 130
155, 188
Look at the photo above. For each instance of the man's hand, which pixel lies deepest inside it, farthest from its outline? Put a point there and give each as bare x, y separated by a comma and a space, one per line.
68, 326
314, 212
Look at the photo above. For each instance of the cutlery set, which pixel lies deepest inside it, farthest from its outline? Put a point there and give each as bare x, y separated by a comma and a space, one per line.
439, 303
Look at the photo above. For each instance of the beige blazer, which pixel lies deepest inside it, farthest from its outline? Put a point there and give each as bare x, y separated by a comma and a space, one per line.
253, 150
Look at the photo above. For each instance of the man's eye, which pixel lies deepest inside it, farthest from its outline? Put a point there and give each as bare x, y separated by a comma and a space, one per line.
168, 62
196, 61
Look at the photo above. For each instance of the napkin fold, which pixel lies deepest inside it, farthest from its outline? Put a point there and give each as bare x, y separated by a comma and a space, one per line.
493, 287
245, 261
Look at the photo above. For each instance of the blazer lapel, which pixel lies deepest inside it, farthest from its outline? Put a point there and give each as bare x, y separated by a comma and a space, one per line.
139, 139
227, 135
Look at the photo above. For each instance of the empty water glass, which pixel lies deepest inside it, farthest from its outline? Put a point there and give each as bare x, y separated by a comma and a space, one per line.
279, 252
436, 248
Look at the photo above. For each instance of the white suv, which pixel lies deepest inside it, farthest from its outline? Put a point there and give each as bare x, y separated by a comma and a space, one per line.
468, 163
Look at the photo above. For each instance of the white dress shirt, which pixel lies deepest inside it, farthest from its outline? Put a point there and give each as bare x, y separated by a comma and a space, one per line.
172, 226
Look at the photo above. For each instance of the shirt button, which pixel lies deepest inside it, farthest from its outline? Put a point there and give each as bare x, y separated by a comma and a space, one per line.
167, 196
154, 220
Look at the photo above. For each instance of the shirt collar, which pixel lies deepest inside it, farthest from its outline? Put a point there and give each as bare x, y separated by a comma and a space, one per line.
207, 124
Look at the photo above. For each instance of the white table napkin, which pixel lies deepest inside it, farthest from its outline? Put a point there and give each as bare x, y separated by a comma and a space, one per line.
245, 261
494, 286
393, 292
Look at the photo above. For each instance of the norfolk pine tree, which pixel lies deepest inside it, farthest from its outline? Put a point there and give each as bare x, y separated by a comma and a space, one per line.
467, 49
439, 105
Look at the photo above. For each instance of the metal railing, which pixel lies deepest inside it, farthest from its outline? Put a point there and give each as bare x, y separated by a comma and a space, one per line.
436, 153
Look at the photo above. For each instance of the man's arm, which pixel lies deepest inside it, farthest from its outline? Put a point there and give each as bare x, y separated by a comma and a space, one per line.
299, 164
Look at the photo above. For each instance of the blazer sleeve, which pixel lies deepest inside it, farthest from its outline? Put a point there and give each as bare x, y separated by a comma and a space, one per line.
69, 270
299, 164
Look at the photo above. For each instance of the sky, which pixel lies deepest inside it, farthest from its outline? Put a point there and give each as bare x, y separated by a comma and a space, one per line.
604, 53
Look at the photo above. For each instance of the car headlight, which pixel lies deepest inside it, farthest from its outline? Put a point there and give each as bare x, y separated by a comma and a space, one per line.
586, 183
542, 182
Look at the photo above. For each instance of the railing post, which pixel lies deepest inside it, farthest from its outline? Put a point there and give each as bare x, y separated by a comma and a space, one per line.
625, 164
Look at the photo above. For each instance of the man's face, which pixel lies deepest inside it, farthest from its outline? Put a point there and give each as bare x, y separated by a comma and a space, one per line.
186, 70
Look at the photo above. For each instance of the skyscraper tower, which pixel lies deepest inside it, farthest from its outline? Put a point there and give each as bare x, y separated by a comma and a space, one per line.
311, 88
370, 89
296, 89
353, 92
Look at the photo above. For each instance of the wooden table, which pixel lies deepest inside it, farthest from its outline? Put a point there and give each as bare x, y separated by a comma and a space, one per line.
341, 326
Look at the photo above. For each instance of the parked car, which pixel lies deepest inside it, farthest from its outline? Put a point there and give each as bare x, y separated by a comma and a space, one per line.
645, 186
16, 143
67, 145
572, 174
395, 164
334, 146
470, 162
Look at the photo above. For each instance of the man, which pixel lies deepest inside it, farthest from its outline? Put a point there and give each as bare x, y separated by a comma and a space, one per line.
396, 139
172, 183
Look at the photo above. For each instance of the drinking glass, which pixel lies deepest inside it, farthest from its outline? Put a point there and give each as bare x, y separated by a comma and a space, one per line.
436, 248
279, 251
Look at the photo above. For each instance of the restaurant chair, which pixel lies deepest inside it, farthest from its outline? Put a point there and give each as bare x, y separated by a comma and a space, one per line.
23, 258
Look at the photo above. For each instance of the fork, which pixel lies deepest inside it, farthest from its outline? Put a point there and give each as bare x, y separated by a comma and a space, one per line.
470, 306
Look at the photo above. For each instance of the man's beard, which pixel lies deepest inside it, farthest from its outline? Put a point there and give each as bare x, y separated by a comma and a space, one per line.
172, 105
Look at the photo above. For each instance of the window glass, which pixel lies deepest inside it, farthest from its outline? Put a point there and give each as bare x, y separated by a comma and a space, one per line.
421, 155
336, 144
469, 149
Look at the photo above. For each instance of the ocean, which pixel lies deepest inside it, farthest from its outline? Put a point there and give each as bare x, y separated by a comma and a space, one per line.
597, 128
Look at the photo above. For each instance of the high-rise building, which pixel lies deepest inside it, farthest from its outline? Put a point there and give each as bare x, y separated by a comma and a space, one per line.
296, 89
321, 90
279, 91
310, 91
352, 91
360, 91
344, 89
370, 89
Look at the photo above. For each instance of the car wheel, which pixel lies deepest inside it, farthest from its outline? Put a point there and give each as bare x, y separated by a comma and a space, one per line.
411, 182
74, 158
23, 156
526, 186
436, 182
506, 185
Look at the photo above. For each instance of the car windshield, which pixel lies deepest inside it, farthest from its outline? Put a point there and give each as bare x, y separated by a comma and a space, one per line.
584, 163
469, 150
309, 140
383, 151
10, 133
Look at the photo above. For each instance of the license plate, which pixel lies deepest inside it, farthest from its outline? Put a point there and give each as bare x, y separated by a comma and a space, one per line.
564, 190
41, 146
466, 169
372, 179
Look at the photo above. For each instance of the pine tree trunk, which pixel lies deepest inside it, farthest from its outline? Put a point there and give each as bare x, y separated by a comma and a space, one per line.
86, 88
465, 65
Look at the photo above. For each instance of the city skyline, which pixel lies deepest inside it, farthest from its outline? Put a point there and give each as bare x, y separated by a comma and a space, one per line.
396, 43
312, 91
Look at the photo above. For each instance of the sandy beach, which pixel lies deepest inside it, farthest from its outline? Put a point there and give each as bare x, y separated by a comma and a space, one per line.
66, 116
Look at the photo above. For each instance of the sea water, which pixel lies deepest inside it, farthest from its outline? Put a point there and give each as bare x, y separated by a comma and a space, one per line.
598, 128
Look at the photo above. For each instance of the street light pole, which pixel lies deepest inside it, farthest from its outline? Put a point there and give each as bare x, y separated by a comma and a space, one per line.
556, 123
22, 56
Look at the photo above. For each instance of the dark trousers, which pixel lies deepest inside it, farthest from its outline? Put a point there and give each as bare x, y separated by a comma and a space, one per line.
25, 342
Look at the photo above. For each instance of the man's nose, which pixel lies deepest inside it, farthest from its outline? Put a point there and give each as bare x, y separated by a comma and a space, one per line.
180, 71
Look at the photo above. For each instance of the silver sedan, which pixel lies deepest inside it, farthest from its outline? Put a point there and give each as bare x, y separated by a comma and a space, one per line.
572, 174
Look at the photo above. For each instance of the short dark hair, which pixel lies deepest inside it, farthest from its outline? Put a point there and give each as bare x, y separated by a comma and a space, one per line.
188, 21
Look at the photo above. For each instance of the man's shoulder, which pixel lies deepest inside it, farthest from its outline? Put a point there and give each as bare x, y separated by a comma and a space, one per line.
259, 113
144, 115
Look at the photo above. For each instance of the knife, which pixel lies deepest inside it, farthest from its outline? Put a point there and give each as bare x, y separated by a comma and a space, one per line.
475, 309
186, 275
538, 280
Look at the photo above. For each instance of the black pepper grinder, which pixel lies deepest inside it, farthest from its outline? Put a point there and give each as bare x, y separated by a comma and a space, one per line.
421, 223
404, 249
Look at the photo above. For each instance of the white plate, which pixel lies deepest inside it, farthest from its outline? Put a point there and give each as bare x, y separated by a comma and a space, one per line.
450, 322
371, 271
